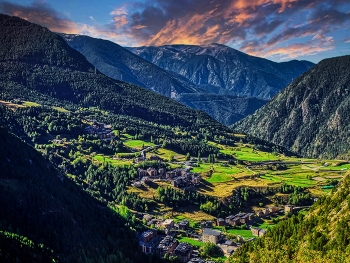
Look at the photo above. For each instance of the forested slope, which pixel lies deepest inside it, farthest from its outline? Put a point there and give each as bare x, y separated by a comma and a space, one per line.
38, 65
40, 204
323, 235
311, 116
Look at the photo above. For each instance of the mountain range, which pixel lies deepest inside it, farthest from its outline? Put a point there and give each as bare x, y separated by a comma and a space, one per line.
38, 65
223, 82
310, 116
223, 70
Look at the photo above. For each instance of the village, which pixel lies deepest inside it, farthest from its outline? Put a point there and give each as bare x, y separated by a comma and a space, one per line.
180, 177
168, 237
161, 238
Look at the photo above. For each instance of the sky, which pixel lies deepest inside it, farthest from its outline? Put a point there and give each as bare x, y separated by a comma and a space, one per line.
279, 30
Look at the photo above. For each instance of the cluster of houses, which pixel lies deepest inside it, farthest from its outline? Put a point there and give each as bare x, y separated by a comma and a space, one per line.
247, 218
178, 178
164, 246
167, 245
100, 129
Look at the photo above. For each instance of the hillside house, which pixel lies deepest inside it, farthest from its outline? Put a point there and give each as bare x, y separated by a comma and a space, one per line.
161, 172
206, 224
273, 209
100, 129
142, 172
166, 246
220, 222
259, 232
232, 220
168, 223
240, 218
148, 241
183, 251
148, 235
184, 225
211, 235
152, 172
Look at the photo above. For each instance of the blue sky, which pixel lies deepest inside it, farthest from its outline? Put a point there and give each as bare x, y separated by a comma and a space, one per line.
279, 30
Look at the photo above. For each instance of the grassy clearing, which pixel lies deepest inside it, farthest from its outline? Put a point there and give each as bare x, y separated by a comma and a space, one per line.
343, 167
60, 109
292, 179
245, 233
138, 144
126, 136
167, 155
102, 158
31, 104
219, 173
191, 241
247, 153
192, 214
221, 190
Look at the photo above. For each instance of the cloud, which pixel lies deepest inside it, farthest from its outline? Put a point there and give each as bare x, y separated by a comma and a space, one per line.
319, 43
275, 25
258, 27
40, 13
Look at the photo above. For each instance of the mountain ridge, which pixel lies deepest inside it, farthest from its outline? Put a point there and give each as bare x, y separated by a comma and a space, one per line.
310, 116
121, 64
43, 67
224, 70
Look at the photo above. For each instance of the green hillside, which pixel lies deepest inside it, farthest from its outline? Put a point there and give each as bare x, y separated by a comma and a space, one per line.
50, 212
320, 236
311, 115
38, 65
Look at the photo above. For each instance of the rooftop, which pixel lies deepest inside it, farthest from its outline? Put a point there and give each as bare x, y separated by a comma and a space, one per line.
211, 232
183, 248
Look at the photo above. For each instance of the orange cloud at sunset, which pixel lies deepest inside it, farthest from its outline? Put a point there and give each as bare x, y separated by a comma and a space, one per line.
265, 28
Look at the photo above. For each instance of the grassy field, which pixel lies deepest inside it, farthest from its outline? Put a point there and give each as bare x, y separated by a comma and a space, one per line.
242, 152
31, 104
102, 158
192, 214
137, 144
219, 173
167, 155
191, 241
292, 179
60, 109
225, 189
245, 233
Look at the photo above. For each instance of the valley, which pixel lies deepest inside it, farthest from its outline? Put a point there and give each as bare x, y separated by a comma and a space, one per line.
126, 167
95, 169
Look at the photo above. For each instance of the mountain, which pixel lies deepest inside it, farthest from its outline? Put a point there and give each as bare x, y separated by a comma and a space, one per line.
118, 63
222, 70
121, 64
46, 217
322, 235
310, 116
38, 65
